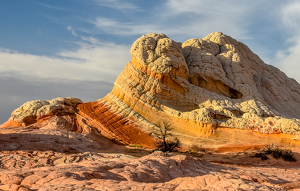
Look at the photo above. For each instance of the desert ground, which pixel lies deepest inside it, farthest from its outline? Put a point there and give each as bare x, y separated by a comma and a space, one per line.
41, 159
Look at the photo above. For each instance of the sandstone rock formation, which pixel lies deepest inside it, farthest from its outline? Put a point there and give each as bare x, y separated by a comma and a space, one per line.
200, 87
214, 92
58, 113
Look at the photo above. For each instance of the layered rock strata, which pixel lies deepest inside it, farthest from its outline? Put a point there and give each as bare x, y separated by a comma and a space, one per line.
201, 85
58, 113
198, 87
65, 114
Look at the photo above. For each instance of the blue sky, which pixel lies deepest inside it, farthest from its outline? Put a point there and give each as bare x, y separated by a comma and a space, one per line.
77, 48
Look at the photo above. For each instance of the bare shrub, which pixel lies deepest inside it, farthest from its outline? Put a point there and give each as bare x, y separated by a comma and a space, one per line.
276, 152
166, 141
196, 148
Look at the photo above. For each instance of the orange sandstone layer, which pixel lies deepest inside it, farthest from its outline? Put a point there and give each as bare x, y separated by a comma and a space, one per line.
114, 126
10, 123
197, 87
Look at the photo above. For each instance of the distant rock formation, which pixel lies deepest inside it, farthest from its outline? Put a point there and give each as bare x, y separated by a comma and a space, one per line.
58, 113
199, 87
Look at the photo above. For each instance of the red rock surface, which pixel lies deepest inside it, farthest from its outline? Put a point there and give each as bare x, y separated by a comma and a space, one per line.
32, 159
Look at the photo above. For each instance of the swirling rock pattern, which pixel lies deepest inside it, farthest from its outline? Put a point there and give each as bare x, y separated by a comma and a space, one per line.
213, 88
199, 87
157, 171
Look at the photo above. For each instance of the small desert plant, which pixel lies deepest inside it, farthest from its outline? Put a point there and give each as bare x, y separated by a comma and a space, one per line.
261, 155
137, 145
196, 148
276, 153
287, 155
166, 140
169, 145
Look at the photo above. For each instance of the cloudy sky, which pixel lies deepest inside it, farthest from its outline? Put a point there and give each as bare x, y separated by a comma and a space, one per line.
77, 48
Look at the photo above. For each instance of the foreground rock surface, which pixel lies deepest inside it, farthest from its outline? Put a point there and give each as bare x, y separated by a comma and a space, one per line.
85, 163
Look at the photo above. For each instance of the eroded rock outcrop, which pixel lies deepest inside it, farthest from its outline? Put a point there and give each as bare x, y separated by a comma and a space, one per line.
214, 91
58, 113
199, 87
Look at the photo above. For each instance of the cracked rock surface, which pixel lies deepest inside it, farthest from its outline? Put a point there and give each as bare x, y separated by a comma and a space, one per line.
74, 161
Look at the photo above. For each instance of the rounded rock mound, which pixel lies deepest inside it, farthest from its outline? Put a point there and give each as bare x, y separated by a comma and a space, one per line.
57, 113
213, 87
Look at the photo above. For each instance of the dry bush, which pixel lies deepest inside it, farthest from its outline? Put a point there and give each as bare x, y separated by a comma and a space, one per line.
168, 145
166, 141
276, 152
196, 148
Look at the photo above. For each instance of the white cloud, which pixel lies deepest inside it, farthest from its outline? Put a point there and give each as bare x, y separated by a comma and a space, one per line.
289, 60
112, 26
205, 17
87, 73
53, 7
69, 28
291, 17
182, 20
232, 17
208, 8
97, 61
116, 4
91, 40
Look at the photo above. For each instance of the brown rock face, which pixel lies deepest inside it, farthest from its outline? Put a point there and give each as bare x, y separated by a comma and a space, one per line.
200, 87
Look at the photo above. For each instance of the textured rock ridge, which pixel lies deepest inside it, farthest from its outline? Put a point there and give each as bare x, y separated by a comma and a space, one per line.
199, 87
203, 84
214, 91
49, 170
58, 113
113, 125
